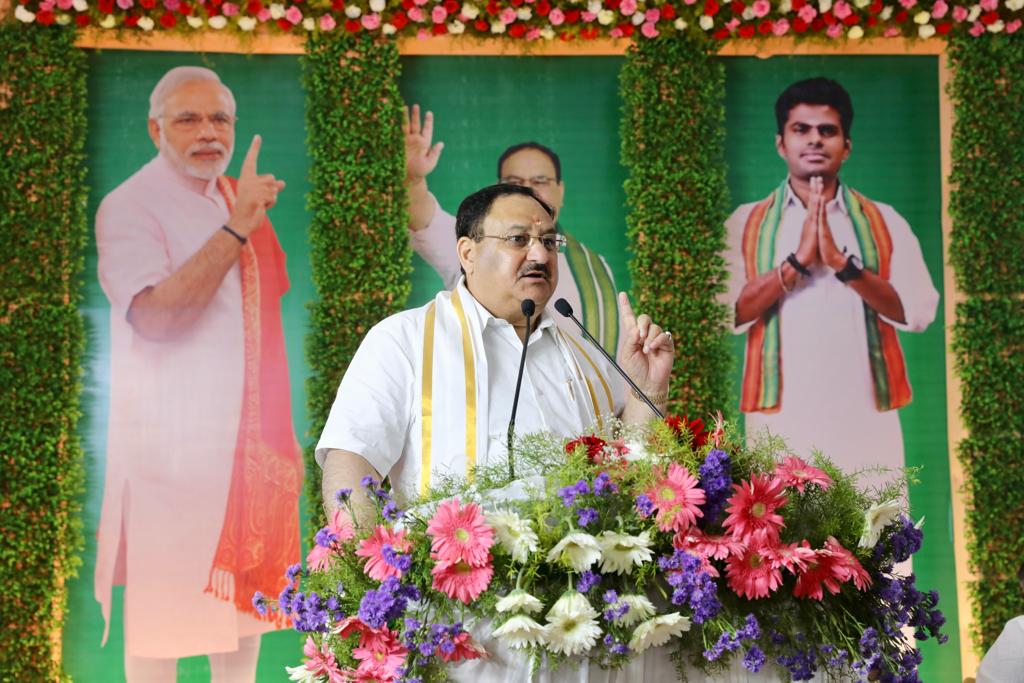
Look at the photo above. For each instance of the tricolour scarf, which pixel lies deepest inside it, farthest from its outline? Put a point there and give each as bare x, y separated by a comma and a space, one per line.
762, 372
260, 534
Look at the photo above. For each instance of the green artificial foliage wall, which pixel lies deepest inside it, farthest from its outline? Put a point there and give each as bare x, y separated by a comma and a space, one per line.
42, 223
673, 140
359, 251
987, 252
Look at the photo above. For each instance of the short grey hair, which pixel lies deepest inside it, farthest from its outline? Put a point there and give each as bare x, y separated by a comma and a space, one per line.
178, 76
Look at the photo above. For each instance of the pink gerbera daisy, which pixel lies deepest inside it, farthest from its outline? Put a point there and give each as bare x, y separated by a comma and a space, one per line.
321, 662
464, 648
697, 542
795, 473
460, 534
848, 565
677, 498
791, 556
751, 574
380, 654
461, 580
372, 548
820, 573
752, 517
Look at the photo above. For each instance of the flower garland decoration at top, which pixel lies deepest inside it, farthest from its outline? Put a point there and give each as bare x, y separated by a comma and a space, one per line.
543, 20
727, 555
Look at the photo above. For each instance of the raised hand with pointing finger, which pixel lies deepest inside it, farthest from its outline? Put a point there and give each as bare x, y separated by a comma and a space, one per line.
256, 193
646, 354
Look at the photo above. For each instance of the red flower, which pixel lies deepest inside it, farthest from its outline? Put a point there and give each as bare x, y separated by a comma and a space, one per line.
721, 34
668, 12
543, 8
516, 3
821, 572
752, 510
737, 7
818, 23
185, 9
254, 6
797, 4
286, 25
337, 5
851, 19
131, 20
829, 18
765, 27
517, 30
626, 28
465, 648
148, 4
711, 7
900, 16
45, 17
451, 6
566, 36
989, 18
481, 26
399, 20
799, 25
695, 427
492, 7
943, 28
612, 4
593, 445
747, 31
875, 7
408, 4
872, 21
591, 33
106, 6
573, 16
351, 25
752, 575
82, 19
168, 20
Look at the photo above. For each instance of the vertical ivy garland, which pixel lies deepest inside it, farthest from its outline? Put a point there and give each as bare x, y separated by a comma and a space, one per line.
43, 224
359, 250
673, 141
987, 252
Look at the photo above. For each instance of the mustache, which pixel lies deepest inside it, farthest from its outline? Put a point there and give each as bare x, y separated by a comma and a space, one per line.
201, 147
531, 268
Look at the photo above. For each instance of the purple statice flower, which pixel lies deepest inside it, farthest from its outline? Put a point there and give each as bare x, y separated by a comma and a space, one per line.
801, 664
325, 538
391, 511
614, 645
644, 505
691, 586
751, 629
716, 479
900, 545
374, 607
610, 597
726, 642
342, 495
397, 560
586, 516
615, 612
292, 572
868, 642
368, 482
259, 602
754, 659
587, 581
310, 613
568, 495
603, 484
426, 648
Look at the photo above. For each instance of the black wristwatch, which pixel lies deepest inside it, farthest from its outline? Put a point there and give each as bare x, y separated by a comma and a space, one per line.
853, 269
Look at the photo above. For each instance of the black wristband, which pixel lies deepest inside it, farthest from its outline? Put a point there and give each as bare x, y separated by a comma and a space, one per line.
851, 271
234, 234
797, 266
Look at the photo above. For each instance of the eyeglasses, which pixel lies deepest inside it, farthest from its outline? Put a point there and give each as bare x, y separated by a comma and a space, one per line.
190, 121
535, 181
524, 241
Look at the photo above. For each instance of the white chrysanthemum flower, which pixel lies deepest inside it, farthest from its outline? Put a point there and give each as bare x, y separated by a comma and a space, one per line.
147, 24
108, 21
1014, 5
621, 552
470, 11
353, 11
855, 33
300, 674
524, 14
456, 27
637, 18
276, 10
388, 29
577, 550
658, 631
249, 23
640, 608
378, 5
519, 601
876, 519
63, 19
680, 25
605, 17
216, 22
25, 16
922, 18
706, 22
572, 627
194, 21
547, 33
594, 6
80, 5
521, 631
514, 534
497, 27
824, 5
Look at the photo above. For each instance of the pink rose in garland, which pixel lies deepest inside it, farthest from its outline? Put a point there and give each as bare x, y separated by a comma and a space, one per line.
460, 533
677, 498
372, 549
795, 473
752, 510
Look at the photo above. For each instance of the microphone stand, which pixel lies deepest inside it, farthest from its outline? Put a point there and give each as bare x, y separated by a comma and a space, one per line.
528, 307
565, 308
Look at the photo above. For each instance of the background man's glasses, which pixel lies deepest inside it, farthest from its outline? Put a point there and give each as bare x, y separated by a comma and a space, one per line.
523, 242
535, 181
220, 121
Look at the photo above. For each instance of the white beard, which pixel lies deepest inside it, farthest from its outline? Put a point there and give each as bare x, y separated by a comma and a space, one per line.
201, 171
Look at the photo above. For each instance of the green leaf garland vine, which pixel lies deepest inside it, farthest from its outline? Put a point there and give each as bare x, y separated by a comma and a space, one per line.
987, 253
43, 223
359, 249
673, 139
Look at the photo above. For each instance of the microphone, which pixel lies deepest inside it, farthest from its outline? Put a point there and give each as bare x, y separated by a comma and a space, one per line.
563, 307
528, 308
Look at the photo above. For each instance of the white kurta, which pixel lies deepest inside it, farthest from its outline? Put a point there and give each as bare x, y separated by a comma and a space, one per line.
1004, 661
828, 400
174, 414
436, 245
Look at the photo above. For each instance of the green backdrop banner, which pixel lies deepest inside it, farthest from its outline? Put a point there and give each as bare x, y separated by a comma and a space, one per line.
271, 103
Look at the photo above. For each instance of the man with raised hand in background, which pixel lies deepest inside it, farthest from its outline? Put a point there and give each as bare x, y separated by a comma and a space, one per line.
586, 283
203, 472
820, 280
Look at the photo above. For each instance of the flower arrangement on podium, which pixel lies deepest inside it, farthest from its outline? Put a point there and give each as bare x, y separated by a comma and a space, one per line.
665, 536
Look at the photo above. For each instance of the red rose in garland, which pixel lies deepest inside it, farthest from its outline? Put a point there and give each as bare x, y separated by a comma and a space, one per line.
681, 426
593, 445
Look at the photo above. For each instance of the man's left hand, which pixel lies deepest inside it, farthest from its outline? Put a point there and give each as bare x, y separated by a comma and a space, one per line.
647, 353
827, 249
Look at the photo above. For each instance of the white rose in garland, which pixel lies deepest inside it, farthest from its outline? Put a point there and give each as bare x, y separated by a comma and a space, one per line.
521, 631
621, 552
572, 627
658, 631
577, 550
